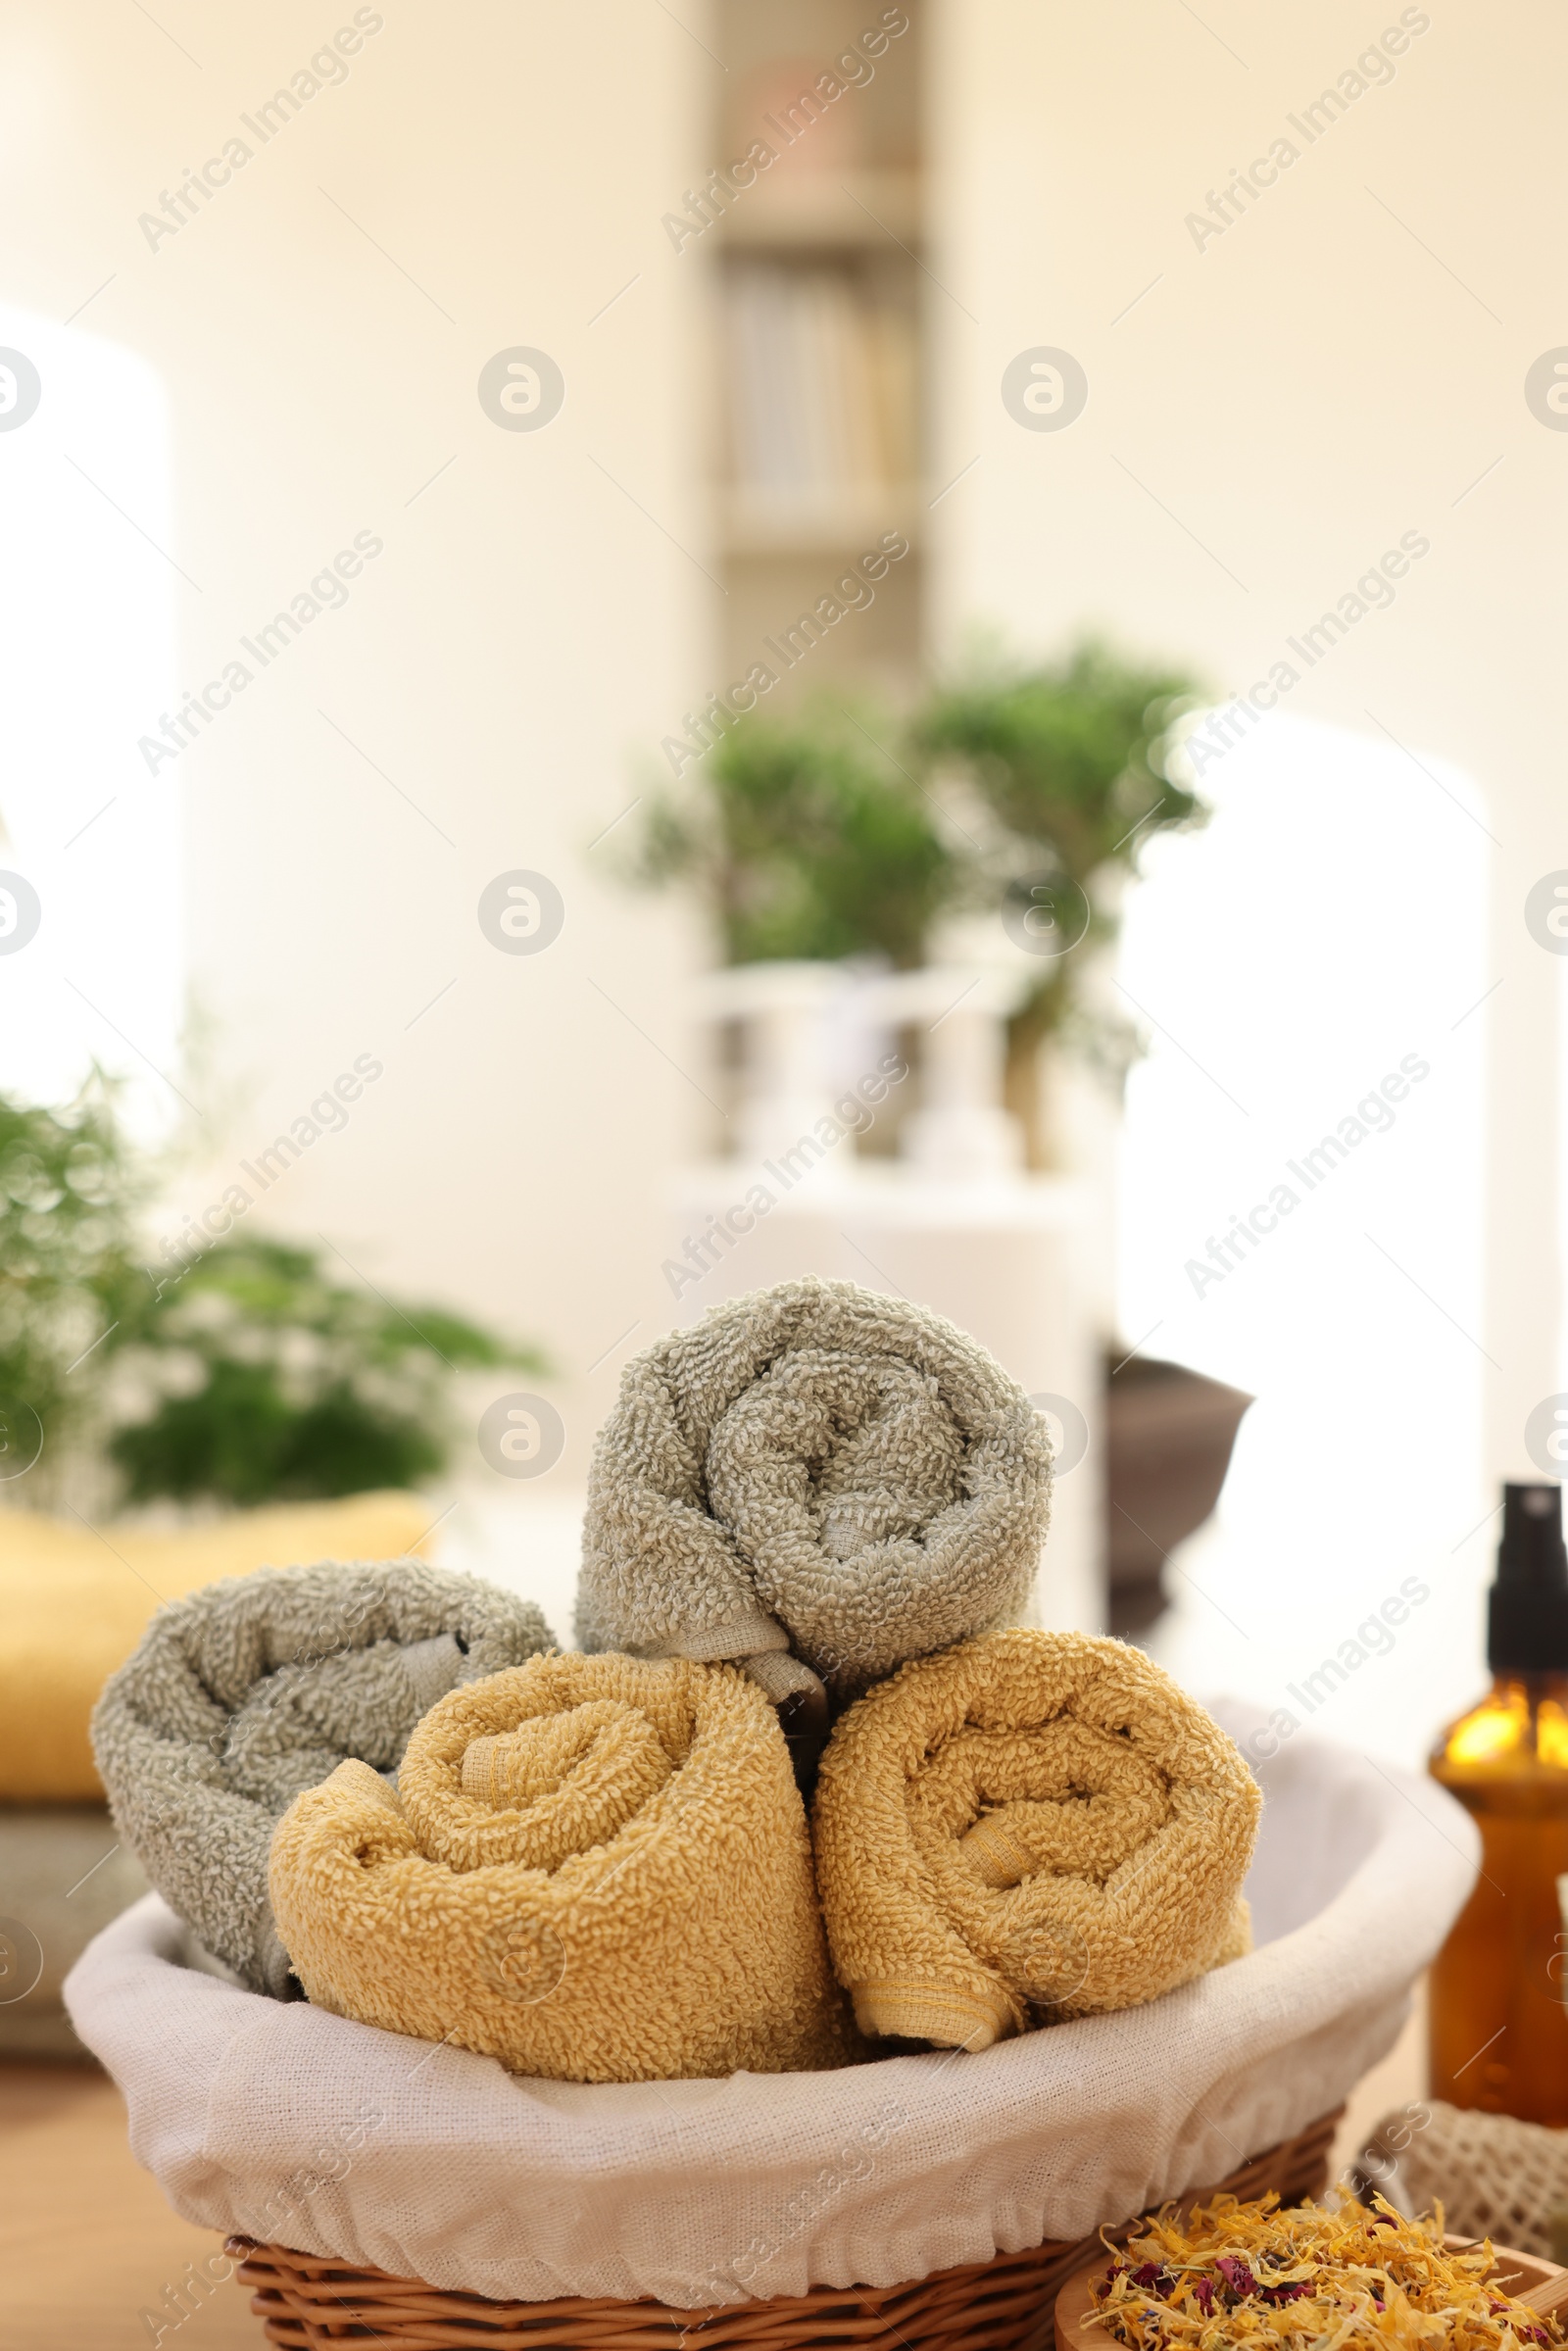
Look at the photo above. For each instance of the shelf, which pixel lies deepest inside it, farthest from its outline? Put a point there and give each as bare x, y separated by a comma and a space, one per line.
754, 524
844, 209
818, 425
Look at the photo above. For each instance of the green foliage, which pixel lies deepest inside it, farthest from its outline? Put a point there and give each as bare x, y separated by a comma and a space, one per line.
251, 1376
1069, 762
807, 839
810, 839
274, 1380
1069, 757
67, 1267
808, 843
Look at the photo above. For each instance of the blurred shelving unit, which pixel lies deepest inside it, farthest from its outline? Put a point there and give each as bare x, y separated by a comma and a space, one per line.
821, 357
819, 440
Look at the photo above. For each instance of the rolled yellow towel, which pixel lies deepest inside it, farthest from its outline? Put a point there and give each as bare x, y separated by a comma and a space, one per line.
1030, 1827
595, 1869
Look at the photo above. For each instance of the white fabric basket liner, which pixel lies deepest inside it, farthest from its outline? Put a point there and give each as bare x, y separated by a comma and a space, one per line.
286, 2124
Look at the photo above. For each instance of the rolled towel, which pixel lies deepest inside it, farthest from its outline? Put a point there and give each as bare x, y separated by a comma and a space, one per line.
1033, 1827
245, 1692
816, 1482
595, 1869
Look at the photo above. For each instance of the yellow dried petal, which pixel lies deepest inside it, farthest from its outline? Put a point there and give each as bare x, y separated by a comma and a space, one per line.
1353, 2257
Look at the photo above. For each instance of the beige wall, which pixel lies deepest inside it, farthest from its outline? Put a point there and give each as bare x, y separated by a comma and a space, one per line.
526, 633
1301, 391
1298, 394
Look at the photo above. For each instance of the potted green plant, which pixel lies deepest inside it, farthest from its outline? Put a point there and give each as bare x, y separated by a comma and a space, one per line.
261, 1377
843, 832
1069, 763
252, 1375
70, 1189
806, 842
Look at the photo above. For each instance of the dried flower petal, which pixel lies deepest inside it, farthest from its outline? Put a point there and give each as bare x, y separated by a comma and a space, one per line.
1234, 2277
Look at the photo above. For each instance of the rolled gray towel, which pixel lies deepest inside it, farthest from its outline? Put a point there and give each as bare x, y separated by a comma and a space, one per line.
240, 1697
816, 1481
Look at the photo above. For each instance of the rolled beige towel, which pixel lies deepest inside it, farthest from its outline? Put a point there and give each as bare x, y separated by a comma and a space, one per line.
595, 1869
1030, 1827
815, 1481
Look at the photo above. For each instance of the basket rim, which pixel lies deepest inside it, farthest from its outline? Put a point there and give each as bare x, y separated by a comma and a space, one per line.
1301, 2160
1043, 2131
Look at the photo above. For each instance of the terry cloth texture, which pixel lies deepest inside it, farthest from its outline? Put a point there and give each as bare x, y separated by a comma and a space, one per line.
239, 1697
69, 1613
447, 2168
593, 1868
1034, 1826
816, 1481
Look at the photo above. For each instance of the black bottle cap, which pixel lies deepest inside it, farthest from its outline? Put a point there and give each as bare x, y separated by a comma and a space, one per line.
1527, 1612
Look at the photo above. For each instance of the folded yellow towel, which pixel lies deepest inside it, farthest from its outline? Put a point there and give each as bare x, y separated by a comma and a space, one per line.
74, 1602
1030, 1827
595, 1869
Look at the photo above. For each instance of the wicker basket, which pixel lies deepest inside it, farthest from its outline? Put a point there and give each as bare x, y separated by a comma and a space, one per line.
1004, 2304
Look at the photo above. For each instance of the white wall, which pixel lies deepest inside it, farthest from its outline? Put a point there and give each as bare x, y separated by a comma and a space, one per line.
528, 630
1275, 411
1298, 394
97, 850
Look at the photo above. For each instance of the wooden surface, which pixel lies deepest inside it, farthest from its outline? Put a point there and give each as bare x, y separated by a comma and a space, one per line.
86, 2240
1539, 2282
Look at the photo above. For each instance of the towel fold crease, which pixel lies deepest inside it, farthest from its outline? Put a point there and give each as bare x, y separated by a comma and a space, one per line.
595, 1869
245, 1692
1031, 1827
815, 1469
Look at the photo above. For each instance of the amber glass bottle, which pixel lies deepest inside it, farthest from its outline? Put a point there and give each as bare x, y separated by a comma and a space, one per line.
1499, 2023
